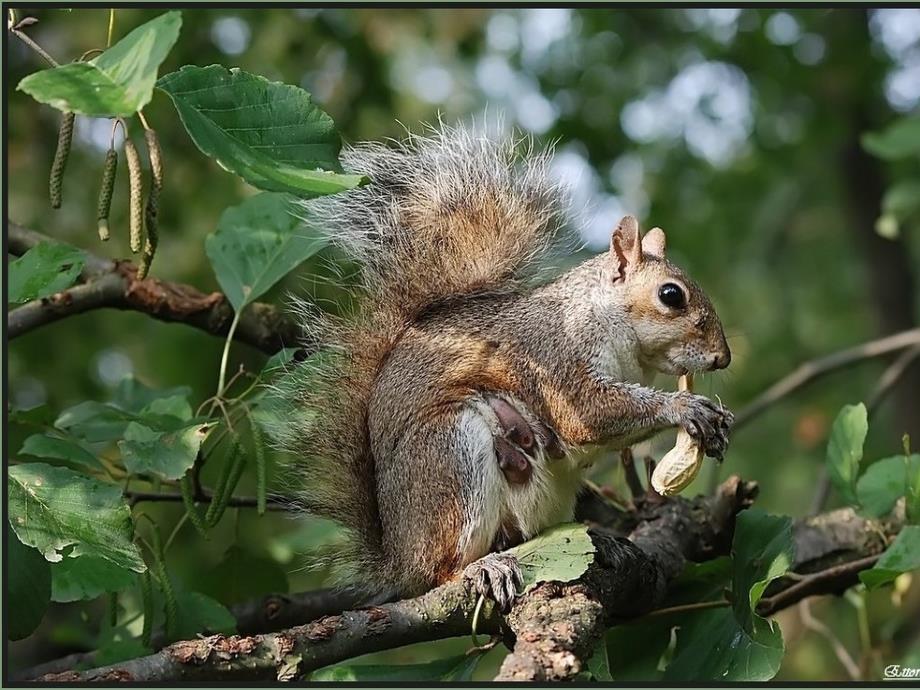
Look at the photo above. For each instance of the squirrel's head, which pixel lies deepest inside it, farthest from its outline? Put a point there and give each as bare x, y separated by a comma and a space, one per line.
676, 326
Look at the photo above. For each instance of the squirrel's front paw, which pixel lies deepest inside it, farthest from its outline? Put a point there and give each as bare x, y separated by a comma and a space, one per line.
496, 576
705, 421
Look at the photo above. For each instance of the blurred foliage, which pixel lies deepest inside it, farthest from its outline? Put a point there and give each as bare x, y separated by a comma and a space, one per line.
739, 132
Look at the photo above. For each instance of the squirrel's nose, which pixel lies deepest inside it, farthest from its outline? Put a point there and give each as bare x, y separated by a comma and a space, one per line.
722, 360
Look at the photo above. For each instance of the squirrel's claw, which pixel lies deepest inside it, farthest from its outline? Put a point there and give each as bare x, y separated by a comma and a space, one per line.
705, 421
496, 576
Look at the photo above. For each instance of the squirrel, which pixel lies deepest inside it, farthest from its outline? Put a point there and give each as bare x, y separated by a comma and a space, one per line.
439, 423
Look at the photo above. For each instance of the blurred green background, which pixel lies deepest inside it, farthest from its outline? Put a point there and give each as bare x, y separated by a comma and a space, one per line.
737, 131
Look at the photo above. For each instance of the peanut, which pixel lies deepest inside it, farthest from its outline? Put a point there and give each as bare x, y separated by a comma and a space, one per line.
681, 464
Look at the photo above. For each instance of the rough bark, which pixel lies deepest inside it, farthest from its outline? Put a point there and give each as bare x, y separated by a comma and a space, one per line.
114, 284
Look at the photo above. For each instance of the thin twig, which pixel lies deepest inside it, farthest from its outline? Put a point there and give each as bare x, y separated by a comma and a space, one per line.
810, 371
840, 651
629, 470
825, 581
683, 608
25, 38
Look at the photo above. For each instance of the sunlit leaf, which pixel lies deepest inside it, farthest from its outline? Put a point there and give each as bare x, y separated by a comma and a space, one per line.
268, 133
119, 82
845, 449
53, 508
560, 554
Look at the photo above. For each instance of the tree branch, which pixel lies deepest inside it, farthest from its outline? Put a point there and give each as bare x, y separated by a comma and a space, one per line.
809, 371
114, 284
555, 626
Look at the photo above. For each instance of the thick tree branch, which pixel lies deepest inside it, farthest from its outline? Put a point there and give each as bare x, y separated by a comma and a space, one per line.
555, 626
110, 284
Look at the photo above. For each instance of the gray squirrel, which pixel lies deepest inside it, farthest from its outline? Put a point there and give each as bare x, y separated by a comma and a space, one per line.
440, 422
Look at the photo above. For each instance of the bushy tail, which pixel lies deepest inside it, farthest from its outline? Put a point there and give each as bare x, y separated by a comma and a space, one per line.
445, 215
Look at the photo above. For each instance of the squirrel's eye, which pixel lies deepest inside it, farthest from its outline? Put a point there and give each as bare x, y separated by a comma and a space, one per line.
672, 295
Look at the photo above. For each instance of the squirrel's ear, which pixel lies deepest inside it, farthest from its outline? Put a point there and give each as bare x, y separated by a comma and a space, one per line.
654, 242
625, 247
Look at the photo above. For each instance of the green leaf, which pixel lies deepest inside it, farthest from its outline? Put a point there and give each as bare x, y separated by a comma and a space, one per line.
47, 446
132, 395
40, 416
598, 664
167, 454
52, 508
634, 650
734, 644
845, 449
902, 556
241, 576
119, 82
87, 577
452, 669
94, 421
120, 650
44, 270
28, 589
560, 554
198, 613
280, 359
117, 644
899, 140
880, 486
256, 244
268, 133
762, 550
713, 647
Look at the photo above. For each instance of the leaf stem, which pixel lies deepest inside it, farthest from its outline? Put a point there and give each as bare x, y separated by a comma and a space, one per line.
108, 39
226, 354
698, 606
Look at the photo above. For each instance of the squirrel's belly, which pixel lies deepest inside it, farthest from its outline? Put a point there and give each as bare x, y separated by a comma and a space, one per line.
546, 499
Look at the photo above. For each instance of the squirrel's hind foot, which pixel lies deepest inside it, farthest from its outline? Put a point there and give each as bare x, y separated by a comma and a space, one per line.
496, 576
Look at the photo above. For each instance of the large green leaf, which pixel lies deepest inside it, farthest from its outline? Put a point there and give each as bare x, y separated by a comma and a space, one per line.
560, 554
28, 590
268, 133
119, 82
713, 647
845, 449
734, 644
133, 395
452, 669
899, 140
87, 577
256, 244
880, 486
71, 451
52, 508
45, 269
166, 454
902, 556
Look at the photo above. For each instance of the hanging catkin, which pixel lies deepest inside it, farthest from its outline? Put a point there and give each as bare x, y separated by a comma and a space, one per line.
151, 210
65, 136
105, 193
136, 196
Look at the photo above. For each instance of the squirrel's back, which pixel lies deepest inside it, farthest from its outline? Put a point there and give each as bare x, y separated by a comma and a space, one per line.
447, 215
